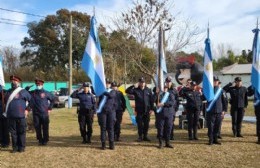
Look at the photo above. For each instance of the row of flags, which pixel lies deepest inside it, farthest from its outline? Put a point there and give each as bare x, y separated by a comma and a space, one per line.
92, 64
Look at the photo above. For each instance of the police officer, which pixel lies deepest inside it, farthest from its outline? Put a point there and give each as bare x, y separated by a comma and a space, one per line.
251, 92
168, 81
215, 114
87, 108
121, 106
41, 104
193, 108
239, 102
16, 112
107, 117
164, 118
144, 105
4, 133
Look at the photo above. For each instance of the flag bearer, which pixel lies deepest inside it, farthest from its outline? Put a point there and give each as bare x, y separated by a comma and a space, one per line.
4, 133
16, 111
164, 117
215, 114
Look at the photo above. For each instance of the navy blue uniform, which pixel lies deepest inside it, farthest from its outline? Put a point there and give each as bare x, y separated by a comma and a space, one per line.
41, 103
214, 117
164, 119
252, 92
193, 108
143, 104
87, 108
238, 101
176, 107
121, 106
4, 133
107, 118
16, 118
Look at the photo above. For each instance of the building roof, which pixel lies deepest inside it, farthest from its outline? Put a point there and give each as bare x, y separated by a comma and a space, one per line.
237, 69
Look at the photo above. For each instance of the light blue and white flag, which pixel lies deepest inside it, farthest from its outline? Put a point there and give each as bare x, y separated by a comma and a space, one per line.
161, 61
208, 88
255, 76
2, 79
92, 62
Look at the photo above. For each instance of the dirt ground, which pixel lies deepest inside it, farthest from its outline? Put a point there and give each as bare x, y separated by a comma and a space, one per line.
65, 148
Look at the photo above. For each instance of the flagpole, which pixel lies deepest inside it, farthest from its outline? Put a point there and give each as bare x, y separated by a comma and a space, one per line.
159, 65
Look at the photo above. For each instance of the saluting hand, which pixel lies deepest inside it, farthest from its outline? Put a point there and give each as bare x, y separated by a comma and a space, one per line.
26, 113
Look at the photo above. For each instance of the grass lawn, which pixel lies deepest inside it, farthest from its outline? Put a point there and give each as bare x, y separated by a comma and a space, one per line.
65, 148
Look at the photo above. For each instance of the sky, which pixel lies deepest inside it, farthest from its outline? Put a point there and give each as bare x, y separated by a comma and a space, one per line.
230, 21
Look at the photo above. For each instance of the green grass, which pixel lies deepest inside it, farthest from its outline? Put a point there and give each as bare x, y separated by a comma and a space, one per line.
65, 148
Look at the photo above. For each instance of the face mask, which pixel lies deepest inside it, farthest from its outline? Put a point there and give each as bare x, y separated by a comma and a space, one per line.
38, 87
14, 85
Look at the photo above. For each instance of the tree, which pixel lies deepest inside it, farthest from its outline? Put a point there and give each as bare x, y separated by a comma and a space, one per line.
10, 60
46, 48
142, 22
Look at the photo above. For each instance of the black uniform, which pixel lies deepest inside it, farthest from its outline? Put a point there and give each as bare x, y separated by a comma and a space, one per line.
251, 92
193, 108
226, 104
87, 108
121, 106
16, 118
238, 101
164, 119
143, 104
107, 118
214, 117
4, 133
41, 103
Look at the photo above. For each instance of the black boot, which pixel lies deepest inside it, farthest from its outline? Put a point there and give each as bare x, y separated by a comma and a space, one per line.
160, 143
215, 141
258, 142
195, 135
168, 145
84, 140
190, 135
140, 139
111, 145
103, 147
146, 138
89, 139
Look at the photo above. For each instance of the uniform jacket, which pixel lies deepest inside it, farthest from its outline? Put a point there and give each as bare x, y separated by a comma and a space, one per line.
41, 101
169, 105
143, 99
238, 96
121, 105
193, 98
220, 105
111, 103
17, 106
86, 100
251, 92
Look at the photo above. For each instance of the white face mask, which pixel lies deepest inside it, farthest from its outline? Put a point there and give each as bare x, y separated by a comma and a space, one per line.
39, 87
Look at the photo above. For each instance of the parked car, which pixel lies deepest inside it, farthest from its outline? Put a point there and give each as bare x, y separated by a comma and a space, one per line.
61, 100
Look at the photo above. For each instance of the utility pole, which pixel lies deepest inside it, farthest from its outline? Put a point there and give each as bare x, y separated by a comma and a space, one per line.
70, 64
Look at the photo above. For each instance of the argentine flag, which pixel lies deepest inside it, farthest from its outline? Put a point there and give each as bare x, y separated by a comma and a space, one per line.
92, 62
161, 63
208, 88
255, 76
2, 79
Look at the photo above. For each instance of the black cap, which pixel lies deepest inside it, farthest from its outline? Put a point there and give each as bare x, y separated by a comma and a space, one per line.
193, 83
16, 78
168, 79
215, 78
85, 84
113, 84
238, 79
141, 80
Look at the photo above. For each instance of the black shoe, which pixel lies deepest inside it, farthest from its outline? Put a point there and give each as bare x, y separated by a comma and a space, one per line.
14, 150
21, 150
258, 142
139, 139
146, 139
84, 141
210, 143
103, 147
168, 145
111, 145
88, 140
4, 146
172, 138
217, 142
219, 137
160, 143
240, 136
44, 143
190, 138
196, 138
